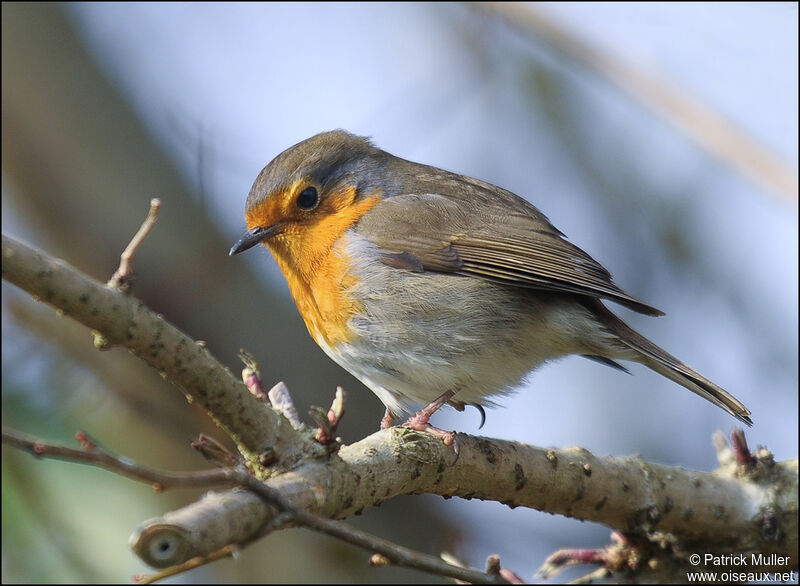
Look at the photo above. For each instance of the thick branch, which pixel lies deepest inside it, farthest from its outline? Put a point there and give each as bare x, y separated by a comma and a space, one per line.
627, 494
123, 320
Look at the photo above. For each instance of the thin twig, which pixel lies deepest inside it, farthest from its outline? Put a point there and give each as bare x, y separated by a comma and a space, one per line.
396, 554
190, 564
93, 454
213, 451
123, 277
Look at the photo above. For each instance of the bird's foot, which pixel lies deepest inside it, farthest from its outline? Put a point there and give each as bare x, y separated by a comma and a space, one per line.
420, 420
421, 424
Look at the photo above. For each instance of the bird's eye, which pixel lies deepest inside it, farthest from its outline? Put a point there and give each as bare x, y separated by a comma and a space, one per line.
308, 198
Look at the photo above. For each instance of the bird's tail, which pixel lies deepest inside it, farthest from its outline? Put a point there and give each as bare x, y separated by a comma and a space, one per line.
667, 365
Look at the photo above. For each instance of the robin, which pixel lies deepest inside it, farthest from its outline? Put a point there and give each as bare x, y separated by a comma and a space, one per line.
432, 287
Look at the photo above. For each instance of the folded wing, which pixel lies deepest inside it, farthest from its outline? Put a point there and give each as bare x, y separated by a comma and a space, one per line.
499, 237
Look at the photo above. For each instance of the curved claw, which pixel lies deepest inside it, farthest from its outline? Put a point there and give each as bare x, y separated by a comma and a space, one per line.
482, 412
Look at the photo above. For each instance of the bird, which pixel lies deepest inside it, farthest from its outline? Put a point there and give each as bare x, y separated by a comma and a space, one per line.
435, 288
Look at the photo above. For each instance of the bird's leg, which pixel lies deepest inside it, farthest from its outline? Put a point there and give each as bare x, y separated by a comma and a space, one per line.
419, 421
457, 405
386, 422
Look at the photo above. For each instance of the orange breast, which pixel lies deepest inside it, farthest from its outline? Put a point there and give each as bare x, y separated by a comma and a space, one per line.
317, 268
321, 297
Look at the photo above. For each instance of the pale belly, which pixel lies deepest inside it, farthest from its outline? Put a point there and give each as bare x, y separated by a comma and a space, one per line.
418, 335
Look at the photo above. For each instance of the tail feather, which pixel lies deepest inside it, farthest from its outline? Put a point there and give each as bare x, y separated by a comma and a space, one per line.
697, 383
667, 365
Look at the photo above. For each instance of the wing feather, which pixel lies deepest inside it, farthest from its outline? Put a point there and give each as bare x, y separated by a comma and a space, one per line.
496, 239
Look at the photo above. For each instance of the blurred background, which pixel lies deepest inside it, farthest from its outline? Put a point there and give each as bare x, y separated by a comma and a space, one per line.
661, 138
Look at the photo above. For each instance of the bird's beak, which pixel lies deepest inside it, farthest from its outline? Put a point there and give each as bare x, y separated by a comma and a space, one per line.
253, 237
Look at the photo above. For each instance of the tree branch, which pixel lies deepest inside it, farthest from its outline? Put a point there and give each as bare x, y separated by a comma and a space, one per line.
123, 320
123, 276
628, 494
92, 453
161, 546
750, 504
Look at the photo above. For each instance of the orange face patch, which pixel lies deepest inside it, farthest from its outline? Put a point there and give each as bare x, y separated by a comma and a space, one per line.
309, 252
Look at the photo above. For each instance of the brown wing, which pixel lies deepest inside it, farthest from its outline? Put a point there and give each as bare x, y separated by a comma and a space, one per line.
504, 239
